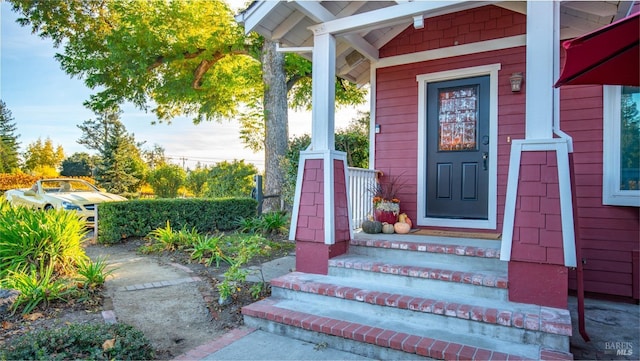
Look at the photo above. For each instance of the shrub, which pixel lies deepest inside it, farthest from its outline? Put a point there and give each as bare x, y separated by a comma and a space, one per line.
167, 239
268, 223
207, 249
274, 222
38, 249
29, 238
36, 287
93, 274
166, 180
243, 249
81, 342
230, 179
137, 218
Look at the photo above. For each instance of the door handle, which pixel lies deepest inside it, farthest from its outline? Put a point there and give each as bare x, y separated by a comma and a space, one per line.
485, 156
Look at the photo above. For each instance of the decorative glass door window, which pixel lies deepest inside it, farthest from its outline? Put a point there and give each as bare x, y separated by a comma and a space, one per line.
457, 118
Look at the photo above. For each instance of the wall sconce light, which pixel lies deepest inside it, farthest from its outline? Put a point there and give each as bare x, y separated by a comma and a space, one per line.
516, 82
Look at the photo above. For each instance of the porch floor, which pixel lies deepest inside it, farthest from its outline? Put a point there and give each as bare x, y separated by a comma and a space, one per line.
420, 238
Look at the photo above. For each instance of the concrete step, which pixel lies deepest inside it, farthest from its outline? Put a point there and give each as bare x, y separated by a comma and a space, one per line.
404, 296
462, 280
472, 254
387, 340
508, 321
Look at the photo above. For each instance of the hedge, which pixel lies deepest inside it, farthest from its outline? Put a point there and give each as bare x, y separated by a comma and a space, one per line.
136, 218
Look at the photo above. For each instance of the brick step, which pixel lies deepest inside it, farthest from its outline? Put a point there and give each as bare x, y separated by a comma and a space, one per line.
383, 340
456, 278
513, 322
416, 250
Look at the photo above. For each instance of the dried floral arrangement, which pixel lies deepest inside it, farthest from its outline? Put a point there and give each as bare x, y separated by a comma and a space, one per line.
385, 193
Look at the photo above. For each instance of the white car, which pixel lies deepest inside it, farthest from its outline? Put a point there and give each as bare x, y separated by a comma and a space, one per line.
62, 193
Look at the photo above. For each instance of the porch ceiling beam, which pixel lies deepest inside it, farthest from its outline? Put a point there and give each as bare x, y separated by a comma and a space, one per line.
314, 10
578, 23
287, 25
599, 8
390, 35
252, 18
363, 46
393, 15
319, 13
351, 8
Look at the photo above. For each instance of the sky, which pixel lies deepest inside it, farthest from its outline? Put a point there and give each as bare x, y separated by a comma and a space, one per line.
47, 102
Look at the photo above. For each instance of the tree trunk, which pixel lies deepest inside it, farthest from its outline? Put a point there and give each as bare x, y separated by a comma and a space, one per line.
276, 121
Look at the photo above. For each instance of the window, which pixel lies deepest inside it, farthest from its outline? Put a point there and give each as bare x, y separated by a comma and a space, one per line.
621, 173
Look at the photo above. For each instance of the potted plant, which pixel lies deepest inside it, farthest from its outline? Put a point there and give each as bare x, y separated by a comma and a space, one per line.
386, 205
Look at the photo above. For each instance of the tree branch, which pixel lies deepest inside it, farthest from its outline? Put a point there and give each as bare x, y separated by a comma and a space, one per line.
160, 59
295, 79
205, 65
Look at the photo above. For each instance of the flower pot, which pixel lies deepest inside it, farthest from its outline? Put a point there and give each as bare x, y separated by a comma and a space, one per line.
390, 217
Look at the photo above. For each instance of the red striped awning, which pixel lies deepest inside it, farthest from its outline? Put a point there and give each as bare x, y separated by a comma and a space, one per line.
609, 55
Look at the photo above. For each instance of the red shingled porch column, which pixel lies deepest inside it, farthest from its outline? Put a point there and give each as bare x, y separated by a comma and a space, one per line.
313, 247
537, 273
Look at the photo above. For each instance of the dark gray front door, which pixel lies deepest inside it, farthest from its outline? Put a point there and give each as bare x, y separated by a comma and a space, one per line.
458, 148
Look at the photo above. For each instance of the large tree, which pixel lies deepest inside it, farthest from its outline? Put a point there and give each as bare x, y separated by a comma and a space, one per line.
185, 57
9, 159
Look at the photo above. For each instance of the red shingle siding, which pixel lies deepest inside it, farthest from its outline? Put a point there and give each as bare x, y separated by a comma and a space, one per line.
537, 231
609, 234
310, 216
484, 23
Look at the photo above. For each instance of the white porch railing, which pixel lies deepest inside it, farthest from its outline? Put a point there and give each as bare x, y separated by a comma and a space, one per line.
360, 198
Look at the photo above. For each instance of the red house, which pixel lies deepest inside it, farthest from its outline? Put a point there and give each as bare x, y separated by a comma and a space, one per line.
529, 182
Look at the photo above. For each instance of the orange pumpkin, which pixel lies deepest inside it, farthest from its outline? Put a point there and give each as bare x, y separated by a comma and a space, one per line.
401, 227
405, 219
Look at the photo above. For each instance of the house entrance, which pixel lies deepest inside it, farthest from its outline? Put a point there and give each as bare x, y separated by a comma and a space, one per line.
457, 148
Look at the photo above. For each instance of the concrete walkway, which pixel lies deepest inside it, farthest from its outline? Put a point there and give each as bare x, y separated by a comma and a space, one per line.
163, 301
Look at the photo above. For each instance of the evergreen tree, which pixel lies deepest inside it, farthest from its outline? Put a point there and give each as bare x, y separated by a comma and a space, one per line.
121, 168
78, 164
9, 159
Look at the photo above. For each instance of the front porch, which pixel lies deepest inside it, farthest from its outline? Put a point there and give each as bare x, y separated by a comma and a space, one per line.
399, 297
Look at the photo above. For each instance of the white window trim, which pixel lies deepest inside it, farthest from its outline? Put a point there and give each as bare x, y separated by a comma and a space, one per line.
611, 192
423, 80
